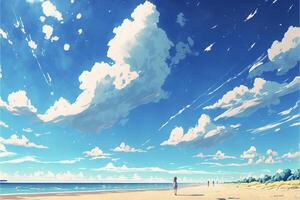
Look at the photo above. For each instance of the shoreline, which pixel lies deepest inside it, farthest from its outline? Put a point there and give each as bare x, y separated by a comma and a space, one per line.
220, 191
100, 191
87, 192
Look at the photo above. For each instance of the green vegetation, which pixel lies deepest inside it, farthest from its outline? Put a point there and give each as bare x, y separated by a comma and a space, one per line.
285, 175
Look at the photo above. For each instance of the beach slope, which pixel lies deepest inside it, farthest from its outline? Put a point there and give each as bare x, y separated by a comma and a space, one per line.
219, 192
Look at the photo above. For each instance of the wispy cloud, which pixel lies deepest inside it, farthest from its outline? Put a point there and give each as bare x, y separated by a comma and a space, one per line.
33, 48
20, 160
146, 142
21, 141
28, 130
209, 47
291, 109
4, 152
126, 149
72, 161
295, 124
181, 20
3, 124
112, 168
209, 92
225, 164
251, 15
5, 36
242, 101
182, 50
252, 45
35, 160
275, 124
174, 116
219, 155
291, 155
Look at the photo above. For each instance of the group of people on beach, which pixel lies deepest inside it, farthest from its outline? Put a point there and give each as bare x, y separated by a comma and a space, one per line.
175, 185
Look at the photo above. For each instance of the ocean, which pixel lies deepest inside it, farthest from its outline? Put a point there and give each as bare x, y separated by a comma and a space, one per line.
41, 188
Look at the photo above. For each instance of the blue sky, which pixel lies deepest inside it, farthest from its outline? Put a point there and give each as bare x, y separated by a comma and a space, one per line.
141, 91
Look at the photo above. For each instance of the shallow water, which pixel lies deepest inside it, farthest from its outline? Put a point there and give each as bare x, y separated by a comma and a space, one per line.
39, 188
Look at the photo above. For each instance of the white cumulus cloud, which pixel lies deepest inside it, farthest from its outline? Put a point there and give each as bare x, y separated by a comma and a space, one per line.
42, 19
252, 157
48, 30
96, 153
126, 148
283, 55
205, 133
250, 154
139, 51
79, 31
268, 158
18, 104
49, 10
242, 101
20, 141
32, 44
220, 156
4, 35
54, 38
66, 47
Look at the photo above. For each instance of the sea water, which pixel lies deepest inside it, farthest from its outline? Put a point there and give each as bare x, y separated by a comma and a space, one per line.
40, 188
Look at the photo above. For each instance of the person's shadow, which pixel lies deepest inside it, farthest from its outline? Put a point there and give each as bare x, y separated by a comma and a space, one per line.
194, 195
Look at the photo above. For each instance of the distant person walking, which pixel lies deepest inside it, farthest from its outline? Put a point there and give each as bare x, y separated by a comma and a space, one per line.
175, 185
207, 183
213, 183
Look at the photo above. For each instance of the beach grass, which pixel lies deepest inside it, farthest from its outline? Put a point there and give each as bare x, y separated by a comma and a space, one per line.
293, 184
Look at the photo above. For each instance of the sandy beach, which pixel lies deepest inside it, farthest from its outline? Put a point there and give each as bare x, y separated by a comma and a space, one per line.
219, 192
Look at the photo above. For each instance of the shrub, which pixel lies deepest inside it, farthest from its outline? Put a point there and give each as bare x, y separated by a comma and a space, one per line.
285, 175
